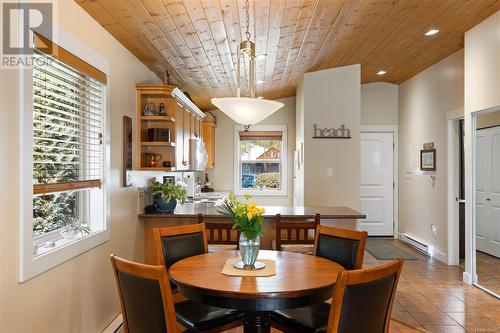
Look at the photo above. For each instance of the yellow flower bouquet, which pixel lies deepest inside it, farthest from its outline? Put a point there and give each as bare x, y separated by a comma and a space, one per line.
248, 218
246, 215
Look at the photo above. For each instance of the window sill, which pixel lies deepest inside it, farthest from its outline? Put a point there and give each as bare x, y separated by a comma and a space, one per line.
261, 193
41, 244
47, 258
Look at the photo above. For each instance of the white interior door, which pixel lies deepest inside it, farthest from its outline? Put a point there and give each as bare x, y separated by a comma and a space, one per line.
488, 191
377, 187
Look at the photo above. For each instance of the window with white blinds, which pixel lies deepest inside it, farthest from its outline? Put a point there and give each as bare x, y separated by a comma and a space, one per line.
68, 150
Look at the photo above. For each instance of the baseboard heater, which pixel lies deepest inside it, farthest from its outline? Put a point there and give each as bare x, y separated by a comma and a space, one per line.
419, 246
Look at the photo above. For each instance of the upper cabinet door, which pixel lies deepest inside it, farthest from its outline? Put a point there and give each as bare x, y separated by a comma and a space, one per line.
187, 135
208, 131
180, 159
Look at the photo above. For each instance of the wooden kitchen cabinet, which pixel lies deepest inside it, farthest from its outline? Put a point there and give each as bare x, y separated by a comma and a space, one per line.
208, 131
152, 96
182, 120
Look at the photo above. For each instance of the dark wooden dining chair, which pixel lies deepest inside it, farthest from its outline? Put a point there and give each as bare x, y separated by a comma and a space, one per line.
179, 242
220, 233
346, 247
296, 234
147, 303
362, 303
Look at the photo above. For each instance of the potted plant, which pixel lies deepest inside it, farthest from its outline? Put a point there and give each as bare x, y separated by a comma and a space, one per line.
248, 218
73, 228
167, 194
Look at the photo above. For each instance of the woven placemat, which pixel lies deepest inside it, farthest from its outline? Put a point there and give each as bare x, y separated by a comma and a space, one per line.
269, 270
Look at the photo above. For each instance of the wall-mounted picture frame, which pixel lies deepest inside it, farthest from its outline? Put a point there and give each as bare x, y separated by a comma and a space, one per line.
127, 152
428, 160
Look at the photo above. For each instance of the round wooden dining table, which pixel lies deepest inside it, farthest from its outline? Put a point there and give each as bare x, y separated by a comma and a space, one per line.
300, 280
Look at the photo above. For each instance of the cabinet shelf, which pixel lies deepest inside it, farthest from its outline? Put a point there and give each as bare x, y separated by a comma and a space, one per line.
157, 143
158, 118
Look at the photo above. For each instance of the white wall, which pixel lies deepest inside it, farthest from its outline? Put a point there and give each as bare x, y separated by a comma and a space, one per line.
423, 103
222, 175
482, 86
80, 294
379, 104
331, 98
488, 120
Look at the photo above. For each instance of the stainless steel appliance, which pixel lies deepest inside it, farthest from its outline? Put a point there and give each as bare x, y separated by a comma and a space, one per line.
198, 156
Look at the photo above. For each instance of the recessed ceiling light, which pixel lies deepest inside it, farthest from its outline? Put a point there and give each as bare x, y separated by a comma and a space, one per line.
382, 72
260, 82
432, 32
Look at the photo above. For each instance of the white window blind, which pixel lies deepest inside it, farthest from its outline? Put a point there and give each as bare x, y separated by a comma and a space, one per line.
68, 127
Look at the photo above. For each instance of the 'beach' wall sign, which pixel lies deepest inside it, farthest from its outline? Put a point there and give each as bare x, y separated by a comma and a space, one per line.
332, 133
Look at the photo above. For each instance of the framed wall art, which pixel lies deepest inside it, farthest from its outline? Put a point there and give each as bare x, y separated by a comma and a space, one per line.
127, 152
428, 160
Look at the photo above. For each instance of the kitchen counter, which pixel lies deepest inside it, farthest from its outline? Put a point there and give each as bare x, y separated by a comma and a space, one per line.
189, 213
210, 210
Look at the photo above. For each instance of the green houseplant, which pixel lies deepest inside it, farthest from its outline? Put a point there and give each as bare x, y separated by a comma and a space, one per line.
248, 218
167, 194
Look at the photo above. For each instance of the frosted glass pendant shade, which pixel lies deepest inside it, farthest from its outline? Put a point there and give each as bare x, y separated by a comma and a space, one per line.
247, 110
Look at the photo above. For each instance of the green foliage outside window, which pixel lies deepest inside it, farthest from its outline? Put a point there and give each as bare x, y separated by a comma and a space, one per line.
269, 180
56, 150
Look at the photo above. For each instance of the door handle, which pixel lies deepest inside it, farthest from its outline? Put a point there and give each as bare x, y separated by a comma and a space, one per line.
488, 199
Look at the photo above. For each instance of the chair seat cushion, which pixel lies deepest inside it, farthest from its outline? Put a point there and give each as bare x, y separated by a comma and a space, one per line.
221, 247
309, 319
199, 317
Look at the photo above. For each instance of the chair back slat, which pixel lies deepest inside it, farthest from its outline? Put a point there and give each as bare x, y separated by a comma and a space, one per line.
297, 230
221, 231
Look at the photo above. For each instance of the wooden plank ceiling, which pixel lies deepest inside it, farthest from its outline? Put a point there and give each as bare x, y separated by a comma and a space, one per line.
196, 40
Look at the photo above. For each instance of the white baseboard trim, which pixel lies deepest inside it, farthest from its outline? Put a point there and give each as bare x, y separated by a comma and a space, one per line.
440, 256
423, 247
114, 325
467, 278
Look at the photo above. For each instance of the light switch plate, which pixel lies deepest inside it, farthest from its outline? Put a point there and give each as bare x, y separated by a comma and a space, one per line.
329, 172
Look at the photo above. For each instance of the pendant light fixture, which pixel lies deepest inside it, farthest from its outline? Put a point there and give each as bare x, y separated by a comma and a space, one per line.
247, 110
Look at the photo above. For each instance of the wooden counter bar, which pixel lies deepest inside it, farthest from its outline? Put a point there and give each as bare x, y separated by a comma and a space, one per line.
340, 217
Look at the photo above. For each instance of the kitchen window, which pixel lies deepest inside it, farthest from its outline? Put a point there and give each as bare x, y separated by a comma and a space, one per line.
67, 118
261, 160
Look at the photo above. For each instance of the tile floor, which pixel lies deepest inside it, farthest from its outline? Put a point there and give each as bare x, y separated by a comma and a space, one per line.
432, 298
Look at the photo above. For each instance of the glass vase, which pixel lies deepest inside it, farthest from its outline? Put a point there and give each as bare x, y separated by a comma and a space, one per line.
249, 250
